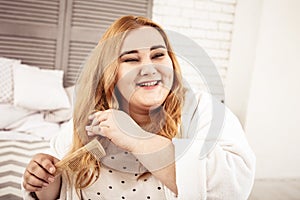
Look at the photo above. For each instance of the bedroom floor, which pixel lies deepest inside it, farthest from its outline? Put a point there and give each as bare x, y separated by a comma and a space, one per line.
276, 190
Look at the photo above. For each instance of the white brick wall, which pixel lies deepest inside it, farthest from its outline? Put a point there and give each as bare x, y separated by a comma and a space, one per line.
208, 22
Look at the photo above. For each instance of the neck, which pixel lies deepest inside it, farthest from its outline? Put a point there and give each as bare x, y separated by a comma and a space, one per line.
140, 116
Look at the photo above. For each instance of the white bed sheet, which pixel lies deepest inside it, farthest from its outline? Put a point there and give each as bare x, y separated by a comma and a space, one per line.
23, 125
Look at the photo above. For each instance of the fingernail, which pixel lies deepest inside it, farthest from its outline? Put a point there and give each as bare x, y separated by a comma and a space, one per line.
52, 170
87, 128
45, 184
51, 179
90, 117
90, 133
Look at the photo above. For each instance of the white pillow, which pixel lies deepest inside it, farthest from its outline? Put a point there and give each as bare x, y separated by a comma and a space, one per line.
6, 79
61, 115
39, 89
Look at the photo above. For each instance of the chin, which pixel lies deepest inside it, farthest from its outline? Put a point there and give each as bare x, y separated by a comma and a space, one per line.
153, 105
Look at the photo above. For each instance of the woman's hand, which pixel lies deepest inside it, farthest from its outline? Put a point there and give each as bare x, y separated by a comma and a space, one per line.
40, 172
118, 127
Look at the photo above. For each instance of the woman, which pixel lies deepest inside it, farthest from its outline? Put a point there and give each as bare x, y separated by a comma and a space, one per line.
131, 97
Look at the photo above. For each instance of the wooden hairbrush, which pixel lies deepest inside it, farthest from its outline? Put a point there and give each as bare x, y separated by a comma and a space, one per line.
71, 161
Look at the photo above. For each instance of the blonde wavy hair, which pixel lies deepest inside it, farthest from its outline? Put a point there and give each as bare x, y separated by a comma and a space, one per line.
95, 90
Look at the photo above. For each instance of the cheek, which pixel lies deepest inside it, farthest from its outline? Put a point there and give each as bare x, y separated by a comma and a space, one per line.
126, 80
121, 72
126, 74
167, 70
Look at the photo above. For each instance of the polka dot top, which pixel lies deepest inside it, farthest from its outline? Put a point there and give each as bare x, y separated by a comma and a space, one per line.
122, 176
113, 185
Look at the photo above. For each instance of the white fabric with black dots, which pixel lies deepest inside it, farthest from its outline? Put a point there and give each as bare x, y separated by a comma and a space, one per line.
122, 176
116, 185
120, 160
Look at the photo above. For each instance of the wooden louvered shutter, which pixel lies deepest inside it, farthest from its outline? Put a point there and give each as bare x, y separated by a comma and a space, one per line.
85, 23
59, 34
32, 30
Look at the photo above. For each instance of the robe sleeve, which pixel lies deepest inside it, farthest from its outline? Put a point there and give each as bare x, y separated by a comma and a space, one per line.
213, 157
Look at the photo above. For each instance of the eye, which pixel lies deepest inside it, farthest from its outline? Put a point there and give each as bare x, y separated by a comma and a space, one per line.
158, 55
130, 60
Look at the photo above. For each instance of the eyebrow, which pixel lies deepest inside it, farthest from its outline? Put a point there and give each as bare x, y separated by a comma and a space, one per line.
128, 52
136, 51
157, 47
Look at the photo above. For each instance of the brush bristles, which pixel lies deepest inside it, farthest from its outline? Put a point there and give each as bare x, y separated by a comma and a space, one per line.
96, 149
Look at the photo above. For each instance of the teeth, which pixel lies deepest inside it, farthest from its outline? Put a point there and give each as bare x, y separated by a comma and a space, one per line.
148, 84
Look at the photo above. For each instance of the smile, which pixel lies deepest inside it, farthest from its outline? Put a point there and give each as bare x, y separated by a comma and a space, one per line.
148, 84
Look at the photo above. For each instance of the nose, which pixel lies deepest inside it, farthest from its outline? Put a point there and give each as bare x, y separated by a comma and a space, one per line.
147, 70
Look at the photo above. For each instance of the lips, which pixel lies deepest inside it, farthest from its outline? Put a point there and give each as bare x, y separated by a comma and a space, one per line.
148, 83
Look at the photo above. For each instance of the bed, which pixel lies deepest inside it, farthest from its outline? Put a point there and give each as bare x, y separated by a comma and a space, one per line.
34, 106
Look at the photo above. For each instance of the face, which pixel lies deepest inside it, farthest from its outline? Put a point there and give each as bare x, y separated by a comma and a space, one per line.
145, 74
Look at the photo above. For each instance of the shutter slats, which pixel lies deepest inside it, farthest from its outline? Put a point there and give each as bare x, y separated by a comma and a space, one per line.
30, 11
27, 14
14, 51
52, 5
26, 41
93, 25
26, 19
50, 11
121, 5
48, 60
83, 48
25, 44
32, 51
95, 13
23, 48
30, 57
106, 9
78, 53
29, 60
100, 14
74, 73
82, 45
90, 23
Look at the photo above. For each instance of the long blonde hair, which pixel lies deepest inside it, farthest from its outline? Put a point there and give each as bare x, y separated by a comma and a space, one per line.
95, 91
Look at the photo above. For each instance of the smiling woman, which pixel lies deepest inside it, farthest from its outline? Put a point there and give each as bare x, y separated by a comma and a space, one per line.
130, 96
145, 75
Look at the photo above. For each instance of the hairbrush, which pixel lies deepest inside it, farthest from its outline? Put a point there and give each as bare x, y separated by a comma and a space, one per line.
71, 161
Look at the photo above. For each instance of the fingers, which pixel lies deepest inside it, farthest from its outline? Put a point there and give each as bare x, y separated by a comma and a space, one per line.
39, 172
46, 162
98, 117
93, 130
96, 124
33, 183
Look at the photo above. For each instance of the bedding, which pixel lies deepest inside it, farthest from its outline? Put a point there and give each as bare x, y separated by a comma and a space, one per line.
10, 114
39, 89
6, 79
34, 106
14, 156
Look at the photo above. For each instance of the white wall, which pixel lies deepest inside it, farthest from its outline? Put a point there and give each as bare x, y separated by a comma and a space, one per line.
242, 56
270, 95
208, 22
